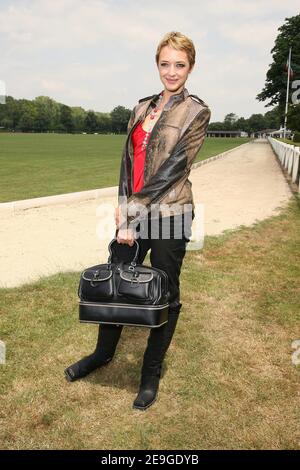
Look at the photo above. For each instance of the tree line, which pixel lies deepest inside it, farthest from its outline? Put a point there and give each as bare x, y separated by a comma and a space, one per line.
44, 114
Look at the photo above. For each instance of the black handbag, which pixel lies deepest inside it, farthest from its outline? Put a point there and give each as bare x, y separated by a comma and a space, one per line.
123, 293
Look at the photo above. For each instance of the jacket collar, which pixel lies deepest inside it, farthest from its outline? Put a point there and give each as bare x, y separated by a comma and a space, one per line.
177, 98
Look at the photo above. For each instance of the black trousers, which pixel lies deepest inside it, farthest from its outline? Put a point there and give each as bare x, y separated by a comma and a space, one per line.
167, 237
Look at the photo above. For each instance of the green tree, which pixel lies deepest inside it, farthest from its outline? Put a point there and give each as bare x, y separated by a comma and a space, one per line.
66, 118
241, 124
272, 118
216, 126
276, 77
27, 120
230, 120
7, 123
10, 113
27, 117
91, 123
78, 115
47, 113
104, 122
293, 117
119, 119
256, 122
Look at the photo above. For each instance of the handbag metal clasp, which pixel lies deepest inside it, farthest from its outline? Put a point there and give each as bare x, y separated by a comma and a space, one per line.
132, 266
134, 280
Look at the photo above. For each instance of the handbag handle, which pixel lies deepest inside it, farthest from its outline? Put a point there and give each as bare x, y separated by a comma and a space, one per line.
133, 262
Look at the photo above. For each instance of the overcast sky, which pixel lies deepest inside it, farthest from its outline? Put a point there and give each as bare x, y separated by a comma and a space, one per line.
101, 53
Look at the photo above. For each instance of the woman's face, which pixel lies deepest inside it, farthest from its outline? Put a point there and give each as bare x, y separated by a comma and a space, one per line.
174, 68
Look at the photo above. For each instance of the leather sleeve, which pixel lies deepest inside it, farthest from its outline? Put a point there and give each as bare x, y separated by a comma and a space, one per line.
175, 167
131, 120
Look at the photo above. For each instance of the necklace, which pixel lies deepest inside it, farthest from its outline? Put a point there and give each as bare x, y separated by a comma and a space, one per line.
152, 117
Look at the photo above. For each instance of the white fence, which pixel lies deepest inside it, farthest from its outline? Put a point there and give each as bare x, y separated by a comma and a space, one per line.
289, 157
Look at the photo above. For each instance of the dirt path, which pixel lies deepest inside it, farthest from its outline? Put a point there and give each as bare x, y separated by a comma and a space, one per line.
243, 187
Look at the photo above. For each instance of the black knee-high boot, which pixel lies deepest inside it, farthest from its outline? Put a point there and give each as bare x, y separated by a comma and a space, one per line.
108, 338
158, 343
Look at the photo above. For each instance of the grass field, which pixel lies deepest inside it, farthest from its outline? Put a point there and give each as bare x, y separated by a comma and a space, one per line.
34, 165
229, 380
288, 141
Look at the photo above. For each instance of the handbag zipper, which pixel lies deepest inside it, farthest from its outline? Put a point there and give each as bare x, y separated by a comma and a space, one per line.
118, 304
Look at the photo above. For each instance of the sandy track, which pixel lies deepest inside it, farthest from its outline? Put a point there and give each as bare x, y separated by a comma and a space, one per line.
242, 187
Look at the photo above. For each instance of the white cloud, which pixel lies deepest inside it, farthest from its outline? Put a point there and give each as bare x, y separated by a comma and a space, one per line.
257, 35
247, 9
100, 53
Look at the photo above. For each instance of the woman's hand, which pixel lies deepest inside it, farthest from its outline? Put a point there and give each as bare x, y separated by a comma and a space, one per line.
126, 236
119, 217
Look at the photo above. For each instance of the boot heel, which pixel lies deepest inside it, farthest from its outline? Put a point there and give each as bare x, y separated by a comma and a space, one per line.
148, 392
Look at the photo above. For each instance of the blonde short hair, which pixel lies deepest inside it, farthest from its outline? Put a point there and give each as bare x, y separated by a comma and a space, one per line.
180, 42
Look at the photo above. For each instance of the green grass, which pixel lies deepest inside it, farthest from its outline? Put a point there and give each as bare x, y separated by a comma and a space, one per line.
229, 380
288, 141
35, 165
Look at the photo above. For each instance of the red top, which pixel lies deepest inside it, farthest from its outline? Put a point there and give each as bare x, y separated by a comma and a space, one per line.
138, 157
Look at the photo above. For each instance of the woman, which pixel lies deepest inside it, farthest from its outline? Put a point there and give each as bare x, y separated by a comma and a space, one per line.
155, 202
